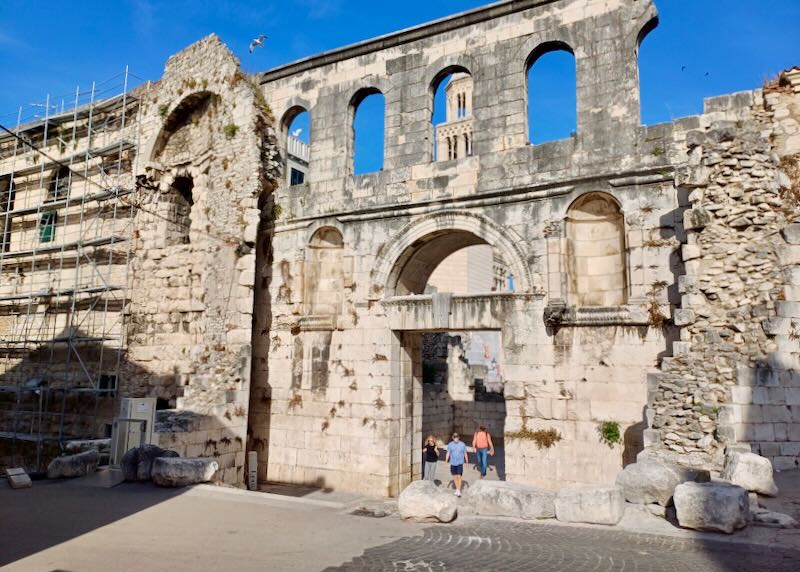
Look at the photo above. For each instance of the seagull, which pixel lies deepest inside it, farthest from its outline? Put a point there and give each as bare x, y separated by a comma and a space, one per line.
257, 43
683, 68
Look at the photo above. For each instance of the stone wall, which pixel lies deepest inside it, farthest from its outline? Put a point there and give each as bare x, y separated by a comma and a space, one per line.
732, 377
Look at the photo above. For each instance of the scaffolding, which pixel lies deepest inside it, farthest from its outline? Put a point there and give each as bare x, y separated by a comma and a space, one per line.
66, 179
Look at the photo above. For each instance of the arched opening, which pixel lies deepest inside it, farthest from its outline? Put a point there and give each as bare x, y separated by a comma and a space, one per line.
325, 273
457, 376
651, 89
452, 114
551, 91
367, 136
179, 201
596, 251
179, 140
296, 127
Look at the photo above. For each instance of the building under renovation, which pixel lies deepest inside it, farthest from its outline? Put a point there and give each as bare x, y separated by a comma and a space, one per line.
177, 241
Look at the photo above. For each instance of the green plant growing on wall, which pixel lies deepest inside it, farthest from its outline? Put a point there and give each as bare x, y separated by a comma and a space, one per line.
163, 109
230, 130
277, 210
609, 433
659, 152
544, 438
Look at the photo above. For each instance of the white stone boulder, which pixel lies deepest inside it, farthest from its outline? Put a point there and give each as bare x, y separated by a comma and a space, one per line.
500, 498
750, 471
137, 463
592, 504
647, 482
178, 472
423, 501
71, 466
711, 506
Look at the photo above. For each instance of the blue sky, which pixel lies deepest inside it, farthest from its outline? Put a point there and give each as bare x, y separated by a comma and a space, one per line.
52, 47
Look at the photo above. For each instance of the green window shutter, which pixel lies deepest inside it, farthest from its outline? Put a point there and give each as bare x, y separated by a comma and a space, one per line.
47, 227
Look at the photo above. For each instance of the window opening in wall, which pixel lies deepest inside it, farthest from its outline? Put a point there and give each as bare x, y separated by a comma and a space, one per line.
59, 185
107, 385
552, 96
651, 76
6, 206
368, 131
180, 202
452, 115
47, 227
298, 145
596, 252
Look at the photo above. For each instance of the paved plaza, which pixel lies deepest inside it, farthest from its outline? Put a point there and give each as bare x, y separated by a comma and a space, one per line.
71, 526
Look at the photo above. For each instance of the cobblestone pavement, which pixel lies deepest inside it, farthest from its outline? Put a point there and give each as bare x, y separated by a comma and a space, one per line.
505, 545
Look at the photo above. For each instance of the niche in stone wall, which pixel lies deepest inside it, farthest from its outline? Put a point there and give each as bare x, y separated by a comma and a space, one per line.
178, 203
595, 256
326, 273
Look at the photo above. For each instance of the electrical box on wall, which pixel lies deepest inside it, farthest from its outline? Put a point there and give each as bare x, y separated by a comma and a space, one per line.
133, 427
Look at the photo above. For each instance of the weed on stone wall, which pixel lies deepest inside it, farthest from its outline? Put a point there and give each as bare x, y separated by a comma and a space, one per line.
654, 315
544, 438
609, 433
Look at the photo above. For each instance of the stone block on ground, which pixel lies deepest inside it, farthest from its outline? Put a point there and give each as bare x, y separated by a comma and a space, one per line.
500, 498
711, 506
70, 466
591, 504
137, 463
750, 471
423, 501
178, 472
78, 446
648, 482
18, 478
764, 517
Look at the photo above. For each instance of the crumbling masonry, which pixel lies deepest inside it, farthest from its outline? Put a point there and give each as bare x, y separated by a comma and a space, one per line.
655, 268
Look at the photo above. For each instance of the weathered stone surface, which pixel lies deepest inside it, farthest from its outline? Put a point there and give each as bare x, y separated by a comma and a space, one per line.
137, 463
501, 498
18, 478
647, 482
78, 446
177, 472
423, 501
750, 471
711, 506
764, 517
76, 465
592, 504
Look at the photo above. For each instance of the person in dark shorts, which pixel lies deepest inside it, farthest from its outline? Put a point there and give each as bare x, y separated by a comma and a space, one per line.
456, 456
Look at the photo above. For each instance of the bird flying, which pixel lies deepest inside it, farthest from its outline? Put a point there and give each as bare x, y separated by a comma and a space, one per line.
257, 42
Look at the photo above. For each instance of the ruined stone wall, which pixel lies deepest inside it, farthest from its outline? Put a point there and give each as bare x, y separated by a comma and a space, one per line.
333, 383
732, 377
207, 173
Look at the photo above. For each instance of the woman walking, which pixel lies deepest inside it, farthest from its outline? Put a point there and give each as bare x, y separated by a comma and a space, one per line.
483, 446
431, 457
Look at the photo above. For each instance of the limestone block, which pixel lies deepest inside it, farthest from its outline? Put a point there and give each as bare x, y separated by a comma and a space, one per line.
683, 317
137, 463
764, 517
18, 478
751, 472
501, 498
791, 233
423, 501
88, 444
592, 504
646, 482
76, 465
711, 506
177, 472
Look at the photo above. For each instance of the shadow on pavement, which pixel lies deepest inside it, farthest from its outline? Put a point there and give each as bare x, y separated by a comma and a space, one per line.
53, 512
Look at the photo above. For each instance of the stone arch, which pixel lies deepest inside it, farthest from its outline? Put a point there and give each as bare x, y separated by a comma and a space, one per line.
296, 153
454, 140
355, 101
535, 54
179, 120
595, 251
466, 229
